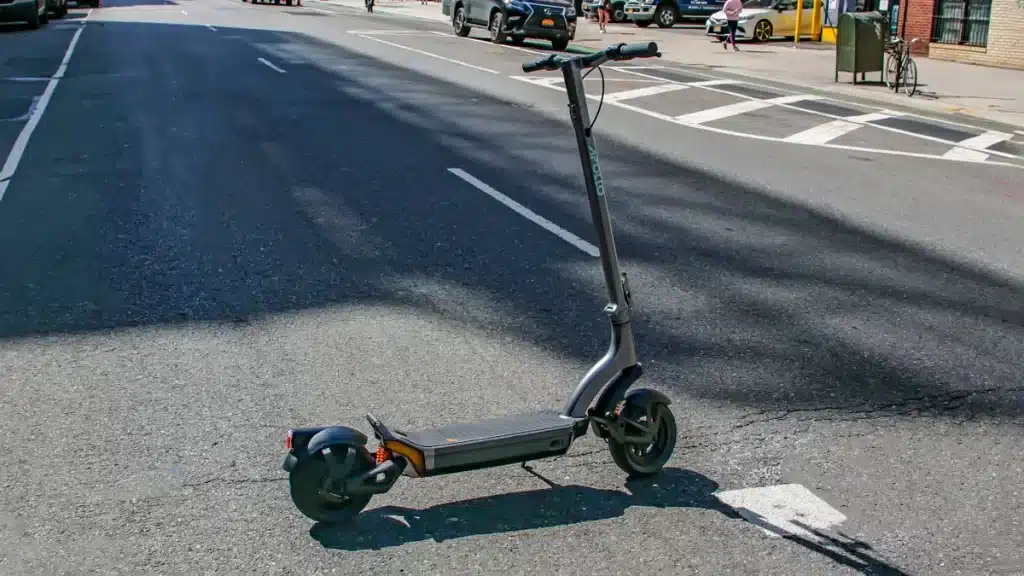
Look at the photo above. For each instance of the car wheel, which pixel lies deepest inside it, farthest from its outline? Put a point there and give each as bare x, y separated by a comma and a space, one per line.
459, 22
665, 16
560, 44
618, 13
763, 31
517, 40
34, 21
497, 25
45, 16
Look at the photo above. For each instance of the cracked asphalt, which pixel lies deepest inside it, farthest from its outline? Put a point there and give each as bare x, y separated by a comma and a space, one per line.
201, 252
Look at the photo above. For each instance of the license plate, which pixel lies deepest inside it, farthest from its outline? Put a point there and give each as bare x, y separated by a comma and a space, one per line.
547, 22
630, 10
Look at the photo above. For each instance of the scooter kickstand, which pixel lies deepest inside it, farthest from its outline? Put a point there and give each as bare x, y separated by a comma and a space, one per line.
538, 475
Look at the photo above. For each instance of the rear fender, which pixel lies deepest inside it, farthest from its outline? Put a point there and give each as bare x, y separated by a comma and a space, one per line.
334, 436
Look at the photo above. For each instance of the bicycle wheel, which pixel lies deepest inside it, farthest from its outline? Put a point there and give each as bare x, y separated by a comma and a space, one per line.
892, 61
910, 77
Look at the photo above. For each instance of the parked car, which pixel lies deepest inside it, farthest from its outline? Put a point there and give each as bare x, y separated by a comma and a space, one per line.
665, 13
553, 20
764, 19
32, 12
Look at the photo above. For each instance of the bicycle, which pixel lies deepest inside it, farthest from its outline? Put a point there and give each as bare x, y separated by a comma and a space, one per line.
900, 67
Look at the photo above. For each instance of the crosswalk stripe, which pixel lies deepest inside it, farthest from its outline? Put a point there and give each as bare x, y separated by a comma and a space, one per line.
720, 82
641, 92
712, 114
970, 149
829, 131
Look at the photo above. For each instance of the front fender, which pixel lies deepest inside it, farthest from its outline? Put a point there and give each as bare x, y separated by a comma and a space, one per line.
641, 397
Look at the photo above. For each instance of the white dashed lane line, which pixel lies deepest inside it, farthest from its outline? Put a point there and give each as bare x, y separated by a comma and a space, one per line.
271, 65
10, 166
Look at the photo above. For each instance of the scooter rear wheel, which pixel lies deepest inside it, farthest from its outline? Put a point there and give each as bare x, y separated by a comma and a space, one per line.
647, 460
306, 483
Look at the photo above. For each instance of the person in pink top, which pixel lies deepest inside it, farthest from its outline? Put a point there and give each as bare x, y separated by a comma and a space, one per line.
732, 11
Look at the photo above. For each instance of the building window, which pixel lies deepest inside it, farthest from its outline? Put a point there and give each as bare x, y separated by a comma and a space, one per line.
962, 22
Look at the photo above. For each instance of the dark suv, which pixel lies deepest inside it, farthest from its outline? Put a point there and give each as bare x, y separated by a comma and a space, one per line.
553, 20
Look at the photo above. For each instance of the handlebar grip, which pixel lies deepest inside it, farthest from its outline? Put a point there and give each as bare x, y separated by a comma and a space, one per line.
544, 63
649, 50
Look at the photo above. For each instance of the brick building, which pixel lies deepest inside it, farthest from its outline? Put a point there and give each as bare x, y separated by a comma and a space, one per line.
987, 32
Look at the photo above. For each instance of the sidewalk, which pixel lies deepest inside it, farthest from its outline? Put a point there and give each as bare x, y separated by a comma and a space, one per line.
993, 94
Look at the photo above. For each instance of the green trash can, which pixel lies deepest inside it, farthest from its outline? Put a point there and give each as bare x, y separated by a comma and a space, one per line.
860, 45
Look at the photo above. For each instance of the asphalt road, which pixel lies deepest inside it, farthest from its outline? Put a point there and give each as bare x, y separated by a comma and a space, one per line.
230, 220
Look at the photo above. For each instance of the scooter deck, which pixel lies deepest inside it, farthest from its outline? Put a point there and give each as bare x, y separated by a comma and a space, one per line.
505, 440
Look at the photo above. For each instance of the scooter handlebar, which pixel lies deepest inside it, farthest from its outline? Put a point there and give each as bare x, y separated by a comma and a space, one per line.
629, 51
548, 62
616, 52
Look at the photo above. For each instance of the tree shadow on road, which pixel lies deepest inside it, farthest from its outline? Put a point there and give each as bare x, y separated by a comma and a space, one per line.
336, 192
838, 547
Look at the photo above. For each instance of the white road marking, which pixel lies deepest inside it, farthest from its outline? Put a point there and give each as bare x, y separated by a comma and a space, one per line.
667, 118
712, 85
722, 112
541, 80
829, 131
511, 47
211, 27
394, 32
630, 67
14, 156
432, 55
28, 78
270, 65
322, 11
970, 149
787, 509
583, 245
718, 82
185, 13
1021, 132
642, 92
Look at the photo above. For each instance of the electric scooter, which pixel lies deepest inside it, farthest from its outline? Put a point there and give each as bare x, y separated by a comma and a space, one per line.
333, 475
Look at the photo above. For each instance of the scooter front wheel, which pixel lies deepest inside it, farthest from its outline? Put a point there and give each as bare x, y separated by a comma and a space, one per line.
311, 495
649, 458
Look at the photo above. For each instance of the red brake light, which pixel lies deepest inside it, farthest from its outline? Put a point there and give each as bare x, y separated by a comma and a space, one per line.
288, 440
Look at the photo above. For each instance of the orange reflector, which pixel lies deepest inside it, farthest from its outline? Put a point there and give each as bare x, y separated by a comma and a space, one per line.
288, 440
382, 455
414, 456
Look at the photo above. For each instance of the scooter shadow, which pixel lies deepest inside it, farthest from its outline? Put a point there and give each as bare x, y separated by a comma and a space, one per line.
556, 506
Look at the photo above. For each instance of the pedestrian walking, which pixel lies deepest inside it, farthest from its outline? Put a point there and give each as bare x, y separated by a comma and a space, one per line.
604, 15
732, 11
